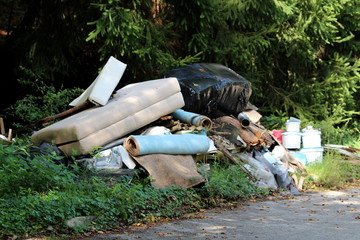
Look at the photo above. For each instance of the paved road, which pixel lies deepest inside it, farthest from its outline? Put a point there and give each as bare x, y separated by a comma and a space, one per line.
325, 215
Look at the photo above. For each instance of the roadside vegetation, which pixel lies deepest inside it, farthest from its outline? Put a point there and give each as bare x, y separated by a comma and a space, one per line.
302, 58
334, 172
38, 195
41, 192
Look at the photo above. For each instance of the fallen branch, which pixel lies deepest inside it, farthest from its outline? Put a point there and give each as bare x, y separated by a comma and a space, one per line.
46, 120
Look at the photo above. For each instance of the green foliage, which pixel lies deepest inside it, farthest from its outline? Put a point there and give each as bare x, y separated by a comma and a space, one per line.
132, 33
275, 121
333, 172
50, 38
44, 100
229, 182
27, 173
300, 55
37, 193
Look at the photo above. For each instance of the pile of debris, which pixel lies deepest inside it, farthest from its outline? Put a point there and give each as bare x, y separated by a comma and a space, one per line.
166, 125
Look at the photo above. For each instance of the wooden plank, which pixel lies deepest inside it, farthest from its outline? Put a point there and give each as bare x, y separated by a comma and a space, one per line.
2, 126
10, 134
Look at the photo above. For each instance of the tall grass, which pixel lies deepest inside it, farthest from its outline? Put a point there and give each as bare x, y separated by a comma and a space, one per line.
334, 172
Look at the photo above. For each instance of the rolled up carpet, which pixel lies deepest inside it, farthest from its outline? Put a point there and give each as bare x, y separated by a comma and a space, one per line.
193, 118
167, 144
170, 170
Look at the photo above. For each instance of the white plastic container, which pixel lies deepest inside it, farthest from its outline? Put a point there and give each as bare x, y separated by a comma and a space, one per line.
299, 156
292, 126
311, 139
291, 140
314, 154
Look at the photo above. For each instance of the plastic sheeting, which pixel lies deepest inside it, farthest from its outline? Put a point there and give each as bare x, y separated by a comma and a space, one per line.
265, 179
167, 144
212, 89
276, 167
193, 118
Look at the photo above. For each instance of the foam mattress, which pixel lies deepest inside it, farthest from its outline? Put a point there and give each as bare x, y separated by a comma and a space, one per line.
131, 108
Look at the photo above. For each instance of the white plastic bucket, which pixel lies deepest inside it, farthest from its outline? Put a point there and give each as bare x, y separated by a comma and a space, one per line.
311, 139
292, 126
314, 154
291, 140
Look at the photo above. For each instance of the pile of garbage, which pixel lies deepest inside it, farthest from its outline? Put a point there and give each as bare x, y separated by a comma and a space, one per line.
165, 125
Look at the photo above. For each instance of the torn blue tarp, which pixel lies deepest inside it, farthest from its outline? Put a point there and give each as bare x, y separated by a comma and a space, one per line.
192, 118
167, 144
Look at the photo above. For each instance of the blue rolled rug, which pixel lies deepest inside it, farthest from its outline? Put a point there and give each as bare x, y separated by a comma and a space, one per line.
167, 144
192, 118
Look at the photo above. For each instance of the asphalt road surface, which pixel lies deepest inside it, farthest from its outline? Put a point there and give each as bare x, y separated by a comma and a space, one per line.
320, 215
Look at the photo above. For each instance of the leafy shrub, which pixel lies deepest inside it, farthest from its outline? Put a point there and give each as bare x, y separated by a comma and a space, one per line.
43, 101
22, 172
229, 182
124, 203
37, 193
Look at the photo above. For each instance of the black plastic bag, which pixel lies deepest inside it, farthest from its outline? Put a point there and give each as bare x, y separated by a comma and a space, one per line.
212, 89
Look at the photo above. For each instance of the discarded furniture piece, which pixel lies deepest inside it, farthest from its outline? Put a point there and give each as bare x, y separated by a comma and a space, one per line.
131, 108
193, 118
167, 144
212, 89
99, 92
170, 170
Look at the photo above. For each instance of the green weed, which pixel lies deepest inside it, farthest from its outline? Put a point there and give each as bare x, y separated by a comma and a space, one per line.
228, 182
333, 172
